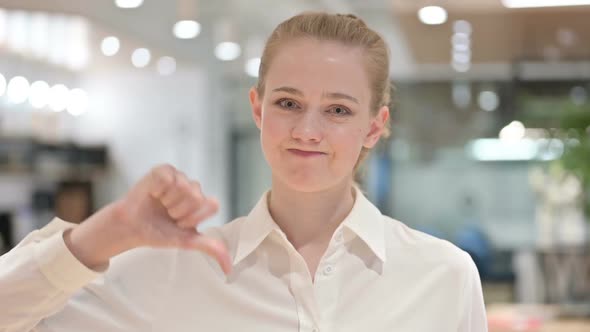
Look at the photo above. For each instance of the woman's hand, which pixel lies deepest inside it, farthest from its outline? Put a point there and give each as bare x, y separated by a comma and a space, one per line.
161, 210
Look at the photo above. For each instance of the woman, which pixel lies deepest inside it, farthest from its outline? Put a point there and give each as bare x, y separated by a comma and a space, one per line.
313, 255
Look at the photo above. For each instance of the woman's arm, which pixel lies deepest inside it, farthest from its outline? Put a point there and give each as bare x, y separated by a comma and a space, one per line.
162, 210
38, 277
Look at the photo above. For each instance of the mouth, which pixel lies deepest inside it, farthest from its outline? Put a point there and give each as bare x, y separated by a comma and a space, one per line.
303, 153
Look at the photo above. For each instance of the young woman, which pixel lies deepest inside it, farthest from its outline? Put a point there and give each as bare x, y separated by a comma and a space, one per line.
313, 255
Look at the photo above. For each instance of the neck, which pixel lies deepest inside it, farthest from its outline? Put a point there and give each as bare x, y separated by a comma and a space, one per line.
309, 217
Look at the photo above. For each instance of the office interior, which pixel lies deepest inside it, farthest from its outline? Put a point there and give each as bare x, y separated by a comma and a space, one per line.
490, 144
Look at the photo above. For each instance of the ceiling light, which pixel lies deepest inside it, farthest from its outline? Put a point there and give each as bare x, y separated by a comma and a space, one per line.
462, 26
18, 90
488, 100
141, 57
17, 25
186, 29
77, 102
432, 15
39, 34
58, 97
39, 95
462, 57
543, 3
460, 40
3, 23
77, 52
58, 33
110, 46
512, 132
493, 149
461, 47
128, 3
227, 51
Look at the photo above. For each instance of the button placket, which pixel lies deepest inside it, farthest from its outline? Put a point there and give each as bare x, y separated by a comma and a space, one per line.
327, 285
303, 292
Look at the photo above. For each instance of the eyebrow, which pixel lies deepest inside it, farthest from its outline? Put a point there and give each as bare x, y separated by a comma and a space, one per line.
332, 95
339, 95
288, 89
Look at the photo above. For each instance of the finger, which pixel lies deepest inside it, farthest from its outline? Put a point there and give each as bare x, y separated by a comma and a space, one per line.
177, 191
208, 209
190, 204
173, 236
212, 247
160, 179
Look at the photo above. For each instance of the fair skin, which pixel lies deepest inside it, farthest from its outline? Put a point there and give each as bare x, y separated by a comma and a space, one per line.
162, 210
310, 103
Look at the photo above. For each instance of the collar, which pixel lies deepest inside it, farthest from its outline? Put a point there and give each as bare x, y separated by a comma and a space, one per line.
255, 228
364, 220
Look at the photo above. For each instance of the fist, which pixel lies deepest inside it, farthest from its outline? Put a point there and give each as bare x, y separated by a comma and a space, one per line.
163, 210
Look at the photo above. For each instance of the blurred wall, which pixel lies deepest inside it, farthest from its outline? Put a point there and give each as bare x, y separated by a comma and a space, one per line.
147, 120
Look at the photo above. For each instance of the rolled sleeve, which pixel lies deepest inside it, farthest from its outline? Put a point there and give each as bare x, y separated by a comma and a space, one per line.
60, 266
38, 277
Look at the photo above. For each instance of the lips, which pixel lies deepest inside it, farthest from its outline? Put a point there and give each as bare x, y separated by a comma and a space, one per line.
304, 153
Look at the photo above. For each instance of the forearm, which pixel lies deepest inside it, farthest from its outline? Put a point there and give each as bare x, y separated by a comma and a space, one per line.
38, 277
99, 238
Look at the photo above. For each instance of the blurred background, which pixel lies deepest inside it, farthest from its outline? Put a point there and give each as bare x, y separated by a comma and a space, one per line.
491, 124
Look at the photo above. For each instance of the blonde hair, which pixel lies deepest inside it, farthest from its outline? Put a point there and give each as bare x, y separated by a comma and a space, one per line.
348, 30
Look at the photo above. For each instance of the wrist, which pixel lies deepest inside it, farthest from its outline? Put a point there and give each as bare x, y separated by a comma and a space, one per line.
99, 238
84, 250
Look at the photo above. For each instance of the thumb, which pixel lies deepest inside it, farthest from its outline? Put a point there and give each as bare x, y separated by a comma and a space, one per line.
210, 246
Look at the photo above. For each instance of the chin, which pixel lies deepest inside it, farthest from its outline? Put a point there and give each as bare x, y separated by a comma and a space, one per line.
309, 183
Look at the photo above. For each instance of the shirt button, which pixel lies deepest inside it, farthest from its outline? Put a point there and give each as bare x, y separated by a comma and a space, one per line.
328, 270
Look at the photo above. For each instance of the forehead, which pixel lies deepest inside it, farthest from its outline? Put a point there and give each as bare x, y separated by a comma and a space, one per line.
315, 66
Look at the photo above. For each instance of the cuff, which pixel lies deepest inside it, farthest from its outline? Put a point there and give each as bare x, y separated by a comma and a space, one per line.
60, 266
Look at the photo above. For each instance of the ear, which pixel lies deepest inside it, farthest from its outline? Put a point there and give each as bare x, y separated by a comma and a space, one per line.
376, 127
256, 105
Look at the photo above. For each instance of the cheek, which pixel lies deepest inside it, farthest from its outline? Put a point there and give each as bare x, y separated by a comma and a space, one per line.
274, 131
347, 142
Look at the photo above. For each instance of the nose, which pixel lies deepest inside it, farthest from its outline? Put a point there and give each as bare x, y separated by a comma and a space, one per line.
307, 127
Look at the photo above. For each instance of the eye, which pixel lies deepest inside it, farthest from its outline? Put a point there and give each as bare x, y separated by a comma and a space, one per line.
287, 103
340, 110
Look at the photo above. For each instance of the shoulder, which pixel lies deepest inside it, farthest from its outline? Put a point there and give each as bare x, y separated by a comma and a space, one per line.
406, 243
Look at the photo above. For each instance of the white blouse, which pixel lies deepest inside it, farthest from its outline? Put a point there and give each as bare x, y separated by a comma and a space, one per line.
376, 275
